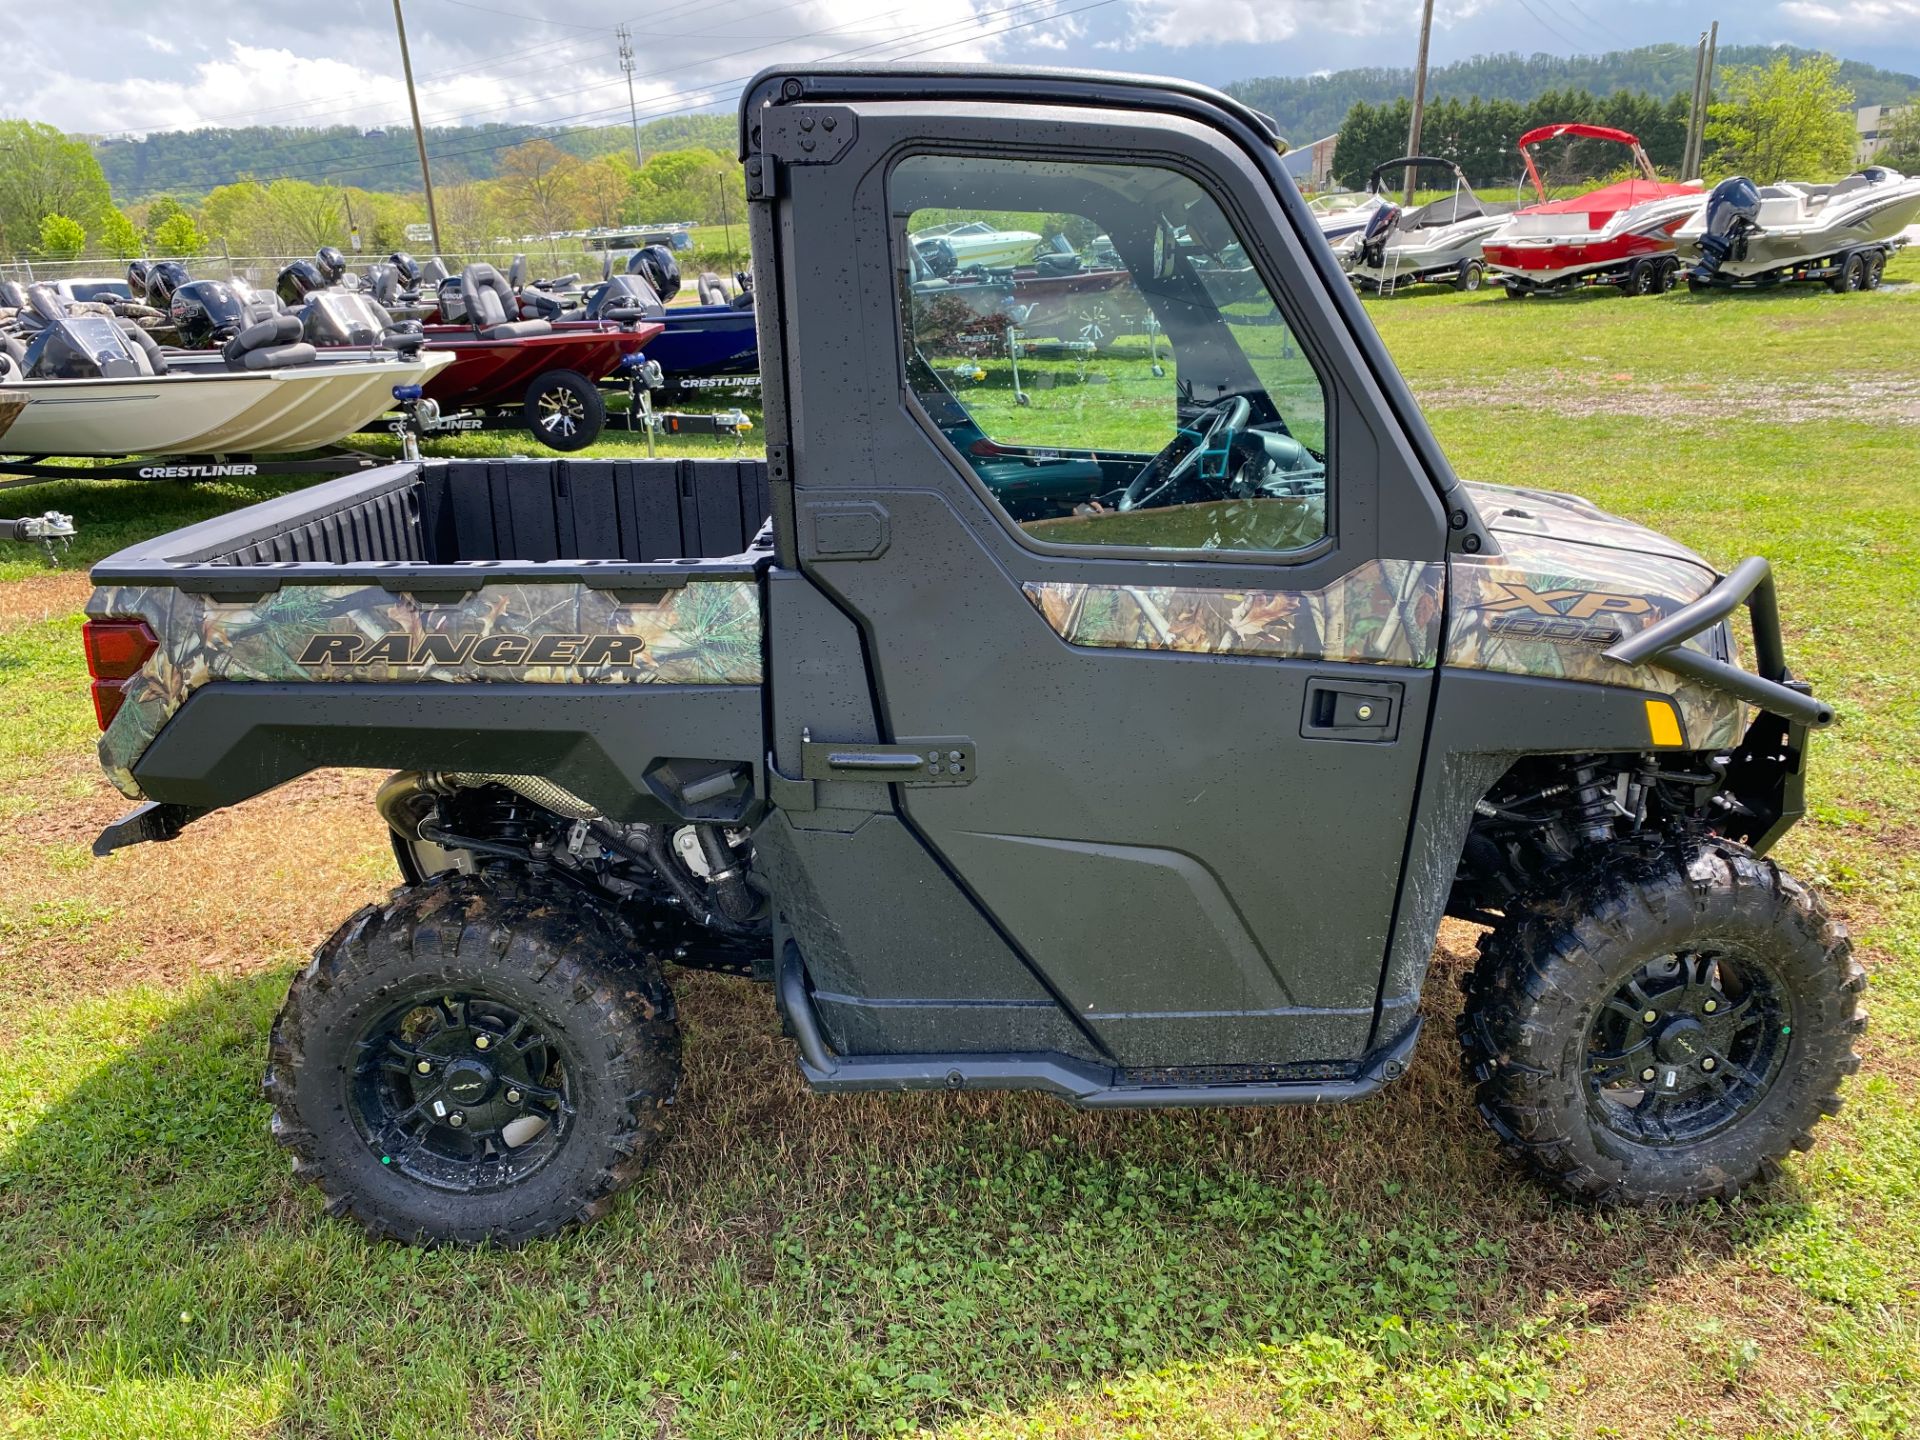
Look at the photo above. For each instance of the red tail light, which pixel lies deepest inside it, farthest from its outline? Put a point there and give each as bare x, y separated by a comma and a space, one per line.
116, 649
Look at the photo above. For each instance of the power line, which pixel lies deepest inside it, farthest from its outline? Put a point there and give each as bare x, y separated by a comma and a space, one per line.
516, 15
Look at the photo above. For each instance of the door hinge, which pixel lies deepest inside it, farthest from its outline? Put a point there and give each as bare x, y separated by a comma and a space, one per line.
797, 135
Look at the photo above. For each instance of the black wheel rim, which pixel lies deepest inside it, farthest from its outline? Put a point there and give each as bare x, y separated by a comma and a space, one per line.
561, 412
1687, 1045
460, 1091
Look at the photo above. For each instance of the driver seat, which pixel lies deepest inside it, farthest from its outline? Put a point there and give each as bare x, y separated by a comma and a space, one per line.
489, 301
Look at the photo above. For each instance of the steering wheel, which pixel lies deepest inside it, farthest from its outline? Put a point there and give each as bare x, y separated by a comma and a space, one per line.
1216, 427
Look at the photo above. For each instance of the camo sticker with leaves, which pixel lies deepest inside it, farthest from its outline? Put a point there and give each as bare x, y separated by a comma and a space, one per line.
1550, 607
704, 633
1386, 612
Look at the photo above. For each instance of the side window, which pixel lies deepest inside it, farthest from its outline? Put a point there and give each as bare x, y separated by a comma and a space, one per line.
1093, 340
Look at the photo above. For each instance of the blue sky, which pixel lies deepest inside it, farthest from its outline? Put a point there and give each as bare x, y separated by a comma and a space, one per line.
112, 66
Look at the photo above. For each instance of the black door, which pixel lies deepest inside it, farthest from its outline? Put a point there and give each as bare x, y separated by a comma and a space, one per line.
1133, 522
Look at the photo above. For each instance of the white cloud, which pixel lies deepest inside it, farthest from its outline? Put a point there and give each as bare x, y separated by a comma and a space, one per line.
1856, 15
1183, 24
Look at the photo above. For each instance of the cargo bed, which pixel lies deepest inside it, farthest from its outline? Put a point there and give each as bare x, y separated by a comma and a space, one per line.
437, 521
502, 612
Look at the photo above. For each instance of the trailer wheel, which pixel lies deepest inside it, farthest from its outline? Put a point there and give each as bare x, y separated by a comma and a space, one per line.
1852, 274
1470, 276
1666, 275
1876, 270
1515, 292
482, 1059
1643, 278
1697, 286
565, 410
1664, 1026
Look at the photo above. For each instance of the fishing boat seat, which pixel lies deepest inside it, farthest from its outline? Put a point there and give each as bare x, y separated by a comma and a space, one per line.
272, 343
490, 302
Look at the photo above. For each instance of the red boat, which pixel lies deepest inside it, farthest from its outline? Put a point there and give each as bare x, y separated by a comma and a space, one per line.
1619, 234
547, 380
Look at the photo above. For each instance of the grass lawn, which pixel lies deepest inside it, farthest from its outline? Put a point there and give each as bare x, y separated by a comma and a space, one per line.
986, 1266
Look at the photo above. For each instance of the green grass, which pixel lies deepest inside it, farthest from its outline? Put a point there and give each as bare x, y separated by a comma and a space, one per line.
1002, 1266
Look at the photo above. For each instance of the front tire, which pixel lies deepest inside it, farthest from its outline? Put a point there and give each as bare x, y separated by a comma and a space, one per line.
482, 1059
1663, 1027
1470, 275
565, 410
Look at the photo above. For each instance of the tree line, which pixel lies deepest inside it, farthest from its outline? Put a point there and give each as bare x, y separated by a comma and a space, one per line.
1788, 119
194, 162
56, 204
1306, 107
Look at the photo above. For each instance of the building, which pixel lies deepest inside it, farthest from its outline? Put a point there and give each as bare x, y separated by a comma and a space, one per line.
1312, 164
1870, 121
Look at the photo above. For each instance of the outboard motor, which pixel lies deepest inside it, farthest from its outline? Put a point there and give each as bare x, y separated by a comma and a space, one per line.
1733, 213
205, 314
655, 264
1373, 240
937, 255
65, 346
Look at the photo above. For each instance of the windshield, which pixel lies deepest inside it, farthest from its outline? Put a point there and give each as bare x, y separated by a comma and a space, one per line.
1129, 378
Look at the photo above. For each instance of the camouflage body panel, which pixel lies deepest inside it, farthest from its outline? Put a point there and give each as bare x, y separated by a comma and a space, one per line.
1570, 582
11, 404
1386, 612
707, 632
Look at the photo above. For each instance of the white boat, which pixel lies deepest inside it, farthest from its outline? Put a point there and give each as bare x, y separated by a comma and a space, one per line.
1841, 234
1438, 242
92, 385
946, 248
210, 411
1346, 214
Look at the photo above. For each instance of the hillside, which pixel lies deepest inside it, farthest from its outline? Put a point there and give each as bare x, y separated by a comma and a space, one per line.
1307, 107
188, 163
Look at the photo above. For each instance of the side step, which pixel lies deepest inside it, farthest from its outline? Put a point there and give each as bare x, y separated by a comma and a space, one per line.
1088, 1086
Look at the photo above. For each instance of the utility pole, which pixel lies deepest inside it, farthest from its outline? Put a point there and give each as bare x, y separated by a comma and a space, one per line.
1419, 93
626, 64
419, 135
1695, 154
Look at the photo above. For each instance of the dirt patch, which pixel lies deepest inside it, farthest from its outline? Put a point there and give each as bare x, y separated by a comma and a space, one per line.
45, 597
240, 890
1871, 398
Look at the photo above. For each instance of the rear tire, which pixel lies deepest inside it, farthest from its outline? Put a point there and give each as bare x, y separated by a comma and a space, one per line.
565, 410
1851, 275
1470, 276
1514, 292
1666, 275
1876, 270
525, 1012
1756, 997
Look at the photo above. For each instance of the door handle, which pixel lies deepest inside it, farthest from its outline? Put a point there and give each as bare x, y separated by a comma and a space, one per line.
1362, 710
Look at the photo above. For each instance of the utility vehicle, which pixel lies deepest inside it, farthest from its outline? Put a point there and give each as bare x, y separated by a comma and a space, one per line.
1128, 744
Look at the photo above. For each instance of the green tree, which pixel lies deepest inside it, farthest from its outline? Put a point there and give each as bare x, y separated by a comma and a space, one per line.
541, 184
43, 173
120, 237
178, 235
1900, 140
62, 237
161, 209
1783, 120
696, 184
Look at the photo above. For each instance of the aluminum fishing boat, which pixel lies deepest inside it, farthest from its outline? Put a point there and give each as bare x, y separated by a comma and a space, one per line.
1840, 234
97, 386
1620, 234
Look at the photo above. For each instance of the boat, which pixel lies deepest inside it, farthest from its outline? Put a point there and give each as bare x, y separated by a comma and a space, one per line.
706, 347
1435, 243
1346, 214
946, 248
95, 387
1620, 234
1841, 234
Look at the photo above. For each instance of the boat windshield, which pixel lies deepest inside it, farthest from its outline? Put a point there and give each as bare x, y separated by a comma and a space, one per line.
1134, 381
